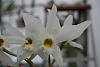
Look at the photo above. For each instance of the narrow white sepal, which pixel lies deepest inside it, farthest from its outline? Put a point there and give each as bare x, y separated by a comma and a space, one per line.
68, 21
74, 44
58, 56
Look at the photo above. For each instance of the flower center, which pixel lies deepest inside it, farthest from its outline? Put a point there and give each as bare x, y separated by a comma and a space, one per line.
1, 42
28, 44
48, 43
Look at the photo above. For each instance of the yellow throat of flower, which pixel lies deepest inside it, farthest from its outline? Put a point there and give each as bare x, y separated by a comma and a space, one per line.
48, 42
1, 42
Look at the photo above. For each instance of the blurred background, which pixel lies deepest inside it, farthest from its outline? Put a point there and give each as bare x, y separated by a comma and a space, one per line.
82, 10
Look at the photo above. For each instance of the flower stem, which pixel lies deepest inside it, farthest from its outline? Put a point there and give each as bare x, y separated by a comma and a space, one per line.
49, 65
53, 61
7, 51
32, 56
27, 60
62, 44
30, 63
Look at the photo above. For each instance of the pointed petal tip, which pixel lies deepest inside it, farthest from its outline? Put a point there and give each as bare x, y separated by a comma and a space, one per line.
28, 18
74, 44
24, 16
68, 21
54, 8
85, 24
71, 16
88, 22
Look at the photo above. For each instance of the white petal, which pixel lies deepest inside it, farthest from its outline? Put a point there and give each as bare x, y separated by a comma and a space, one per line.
35, 29
36, 46
42, 54
58, 56
74, 44
45, 53
48, 51
29, 19
6, 60
23, 54
14, 40
54, 9
68, 21
72, 32
12, 31
26, 18
53, 25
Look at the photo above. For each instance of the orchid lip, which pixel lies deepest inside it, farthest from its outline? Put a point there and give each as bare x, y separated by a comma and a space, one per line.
29, 40
28, 44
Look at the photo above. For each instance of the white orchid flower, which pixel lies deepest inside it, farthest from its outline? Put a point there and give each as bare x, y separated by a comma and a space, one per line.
28, 47
68, 32
4, 41
53, 34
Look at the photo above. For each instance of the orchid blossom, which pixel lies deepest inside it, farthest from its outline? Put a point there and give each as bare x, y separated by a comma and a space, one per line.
4, 41
27, 46
48, 37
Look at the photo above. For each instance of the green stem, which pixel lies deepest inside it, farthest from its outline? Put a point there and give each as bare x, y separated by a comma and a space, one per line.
49, 65
62, 45
7, 51
32, 56
53, 61
27, 60
30, 62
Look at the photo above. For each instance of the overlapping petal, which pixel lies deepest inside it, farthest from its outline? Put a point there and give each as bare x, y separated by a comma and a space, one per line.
23, 54
14, 40
72, 32
28, 18
14, 36
5, 60
12, 31
57, 56
42, 54
34, 29
68, 21
53, 25
74, 44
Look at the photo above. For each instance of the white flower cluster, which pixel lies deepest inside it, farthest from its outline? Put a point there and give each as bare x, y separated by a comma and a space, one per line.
40, 40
